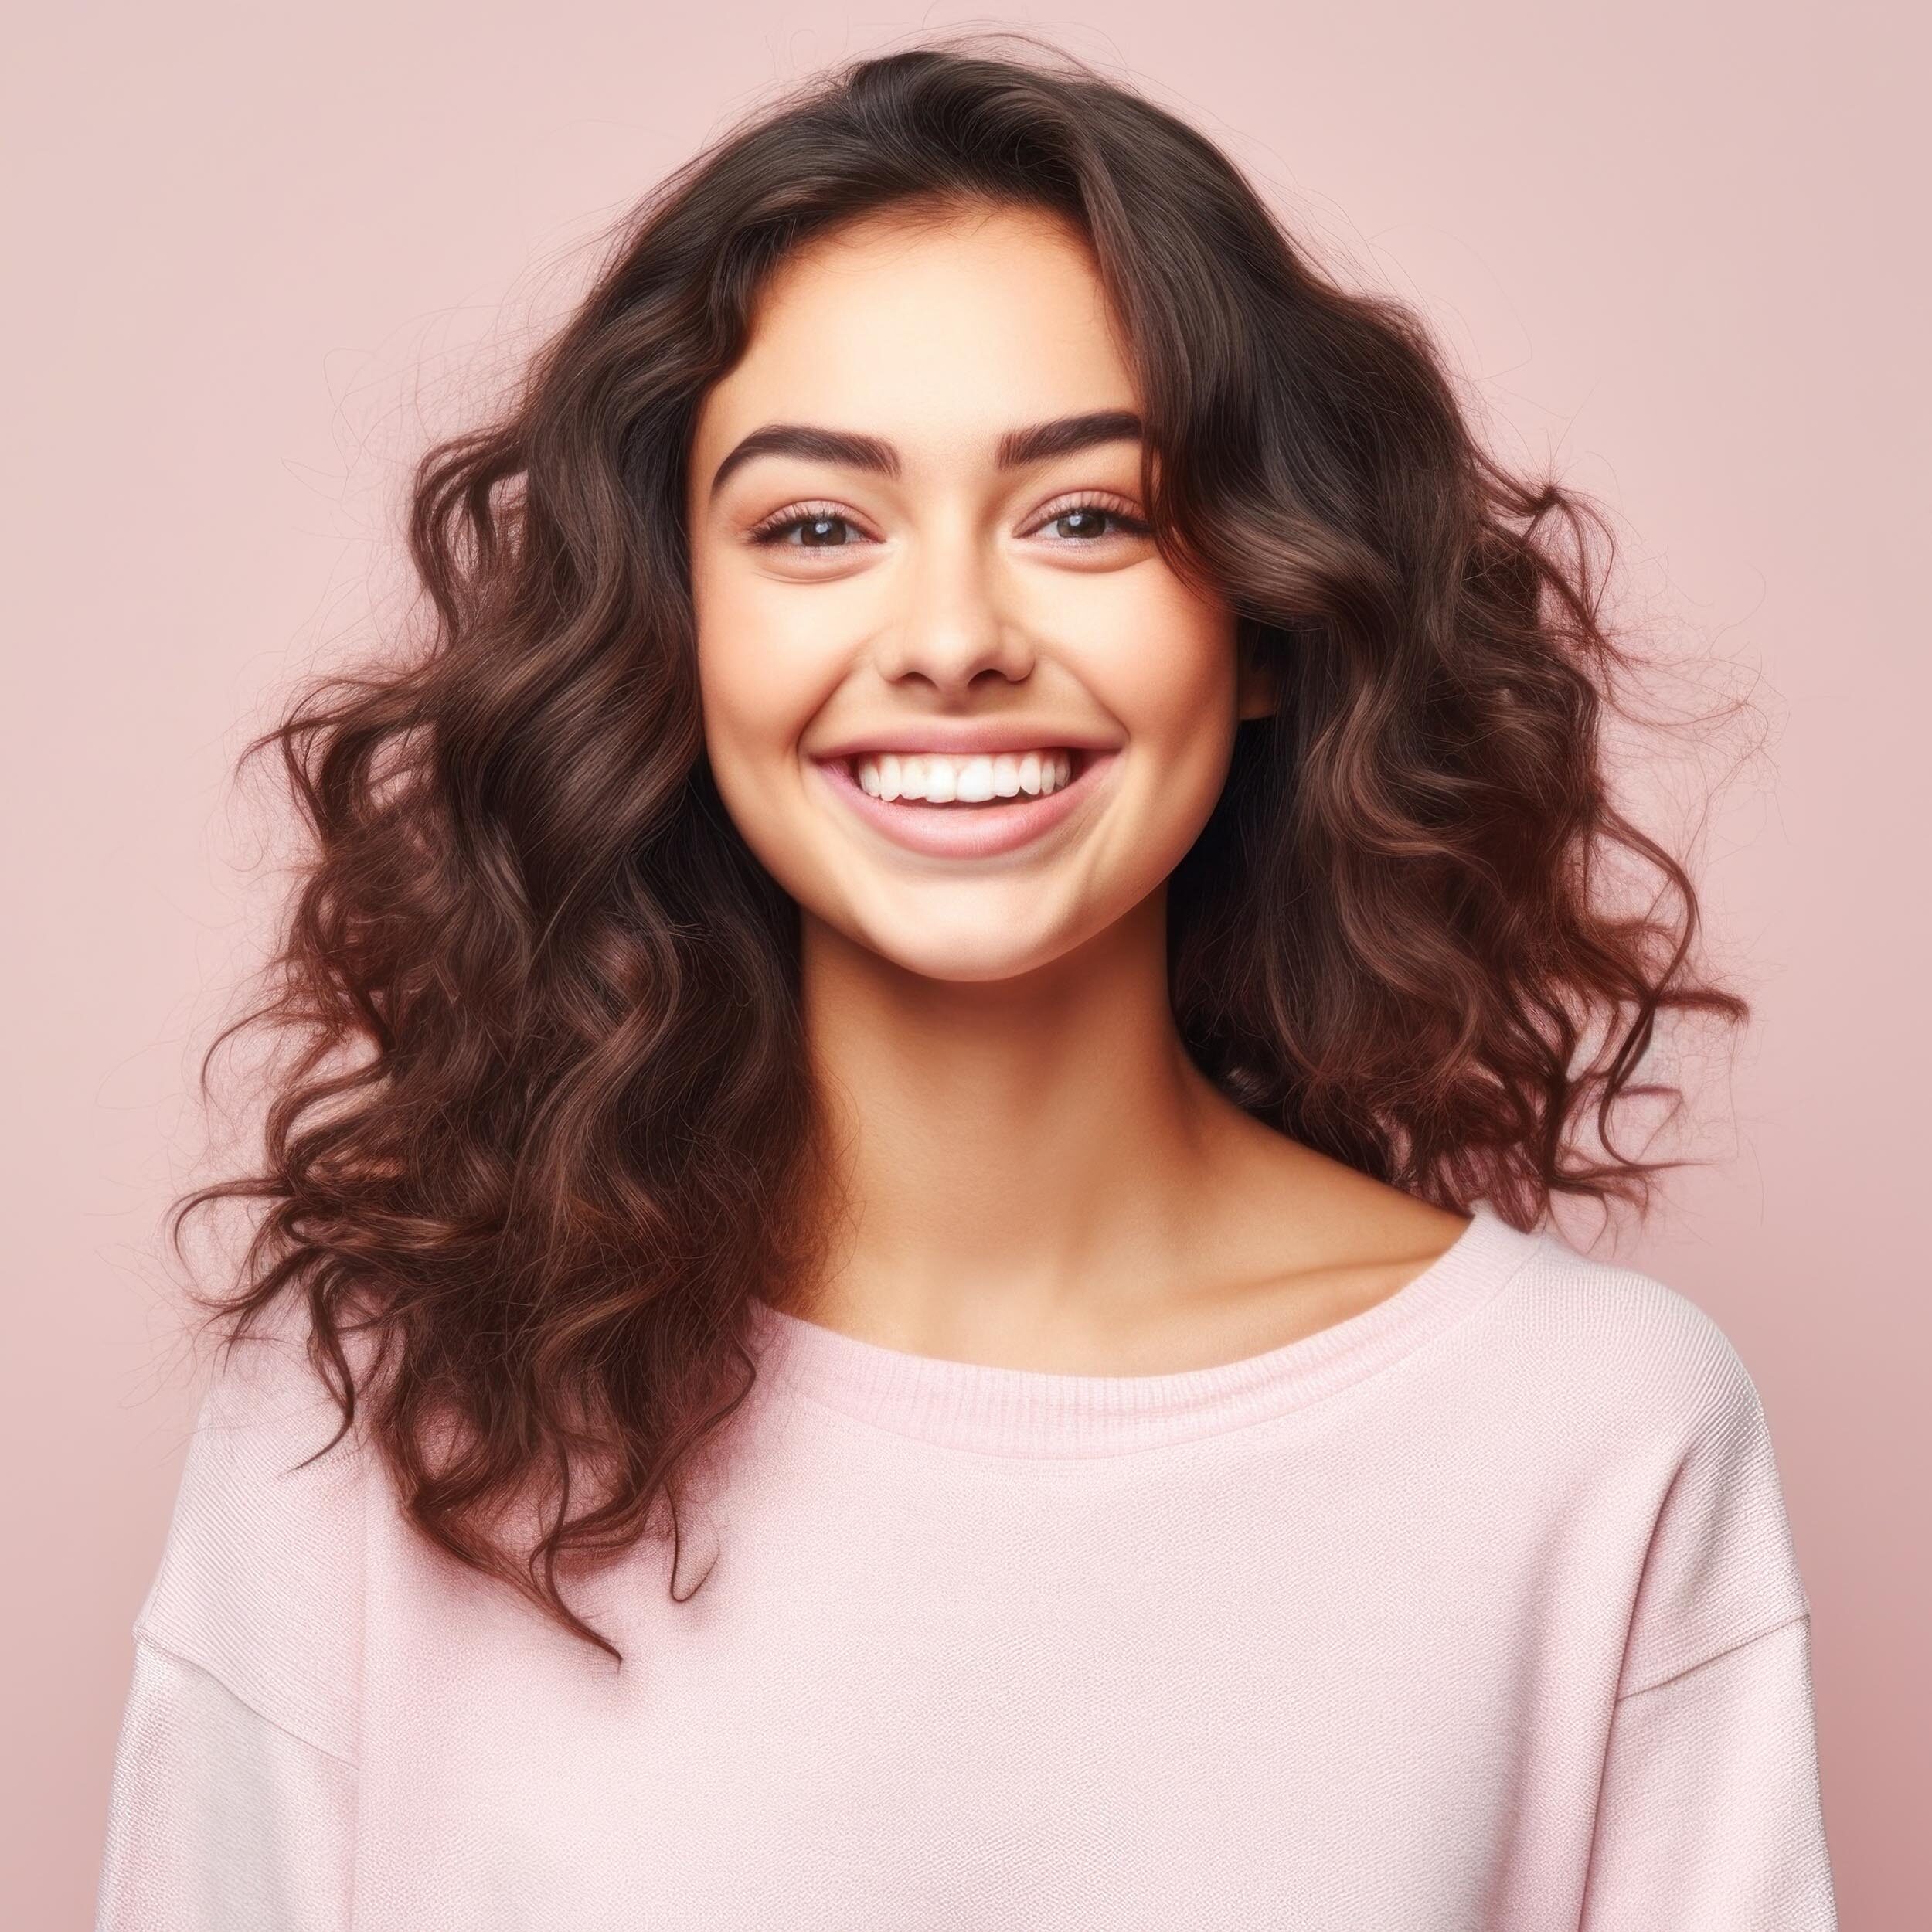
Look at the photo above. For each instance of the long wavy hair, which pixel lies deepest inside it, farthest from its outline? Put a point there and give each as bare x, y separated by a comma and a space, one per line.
542, 1127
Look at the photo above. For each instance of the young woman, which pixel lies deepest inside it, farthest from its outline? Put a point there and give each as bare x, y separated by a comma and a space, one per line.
902, 1281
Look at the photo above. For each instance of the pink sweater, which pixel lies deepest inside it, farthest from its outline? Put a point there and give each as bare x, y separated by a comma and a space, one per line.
1475, 1612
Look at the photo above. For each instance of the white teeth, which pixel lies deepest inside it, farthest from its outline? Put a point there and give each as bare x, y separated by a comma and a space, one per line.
936, 778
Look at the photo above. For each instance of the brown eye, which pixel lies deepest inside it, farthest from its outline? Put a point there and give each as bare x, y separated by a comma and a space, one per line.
818, 530
1083, 523
1088, 522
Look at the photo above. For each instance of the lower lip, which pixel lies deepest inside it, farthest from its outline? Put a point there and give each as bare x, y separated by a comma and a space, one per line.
967, 831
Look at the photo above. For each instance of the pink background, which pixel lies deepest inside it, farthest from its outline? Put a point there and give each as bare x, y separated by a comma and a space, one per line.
256, 258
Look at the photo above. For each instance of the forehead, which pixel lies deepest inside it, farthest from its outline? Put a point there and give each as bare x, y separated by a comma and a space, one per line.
937, 333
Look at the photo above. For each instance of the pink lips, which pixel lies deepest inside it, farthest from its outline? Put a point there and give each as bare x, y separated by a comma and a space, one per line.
966, 832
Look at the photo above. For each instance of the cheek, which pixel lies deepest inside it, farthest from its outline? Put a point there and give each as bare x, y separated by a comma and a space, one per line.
1168, 674
1175, 698
762, 679
750, 723
761, 675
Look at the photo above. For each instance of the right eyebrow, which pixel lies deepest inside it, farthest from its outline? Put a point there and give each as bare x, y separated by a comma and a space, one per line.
1034, 443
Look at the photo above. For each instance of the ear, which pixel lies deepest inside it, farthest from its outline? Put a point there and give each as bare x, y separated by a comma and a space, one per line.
1254, 673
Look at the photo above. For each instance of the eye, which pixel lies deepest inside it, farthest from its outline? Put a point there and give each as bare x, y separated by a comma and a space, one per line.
1091, 515
822, 527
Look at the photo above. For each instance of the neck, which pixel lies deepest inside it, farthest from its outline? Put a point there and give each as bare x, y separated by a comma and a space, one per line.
1035, 1149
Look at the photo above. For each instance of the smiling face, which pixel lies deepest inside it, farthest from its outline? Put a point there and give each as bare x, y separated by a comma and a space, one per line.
915, 517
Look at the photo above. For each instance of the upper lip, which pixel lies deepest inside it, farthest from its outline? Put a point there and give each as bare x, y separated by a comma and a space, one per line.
963, 736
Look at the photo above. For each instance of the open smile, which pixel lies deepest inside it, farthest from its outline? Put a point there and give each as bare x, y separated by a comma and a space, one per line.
976, 825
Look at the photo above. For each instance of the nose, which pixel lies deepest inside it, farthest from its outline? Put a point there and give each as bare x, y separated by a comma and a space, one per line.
954, 623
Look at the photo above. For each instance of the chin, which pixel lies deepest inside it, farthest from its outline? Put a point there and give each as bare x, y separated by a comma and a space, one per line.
972, 957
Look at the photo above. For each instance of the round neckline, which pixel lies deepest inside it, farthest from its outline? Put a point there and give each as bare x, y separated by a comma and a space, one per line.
1041, 1412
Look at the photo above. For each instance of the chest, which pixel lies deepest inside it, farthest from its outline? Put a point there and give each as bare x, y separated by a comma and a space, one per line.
1173, 1704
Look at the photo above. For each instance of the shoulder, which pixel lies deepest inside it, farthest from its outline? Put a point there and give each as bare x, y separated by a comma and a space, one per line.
1617, 1346
260, 1577
1645, 1400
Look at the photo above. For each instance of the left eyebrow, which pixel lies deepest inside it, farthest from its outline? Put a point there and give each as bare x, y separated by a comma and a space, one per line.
1035, 444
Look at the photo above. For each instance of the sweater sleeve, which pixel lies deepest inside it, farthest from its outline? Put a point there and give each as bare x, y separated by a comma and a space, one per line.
1710, 1817
218, 1821
232, 1798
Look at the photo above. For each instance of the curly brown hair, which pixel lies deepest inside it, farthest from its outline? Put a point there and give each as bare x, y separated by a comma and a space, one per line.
548, 1129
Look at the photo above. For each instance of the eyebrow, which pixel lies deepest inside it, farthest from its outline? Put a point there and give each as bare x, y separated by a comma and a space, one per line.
1035, 444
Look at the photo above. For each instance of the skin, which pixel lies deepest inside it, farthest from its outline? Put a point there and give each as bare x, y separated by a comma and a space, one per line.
1032, 1173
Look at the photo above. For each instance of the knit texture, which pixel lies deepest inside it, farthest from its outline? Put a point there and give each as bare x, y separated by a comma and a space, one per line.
1477, 1611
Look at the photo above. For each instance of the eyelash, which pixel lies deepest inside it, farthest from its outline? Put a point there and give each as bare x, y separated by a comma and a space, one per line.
769, 533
